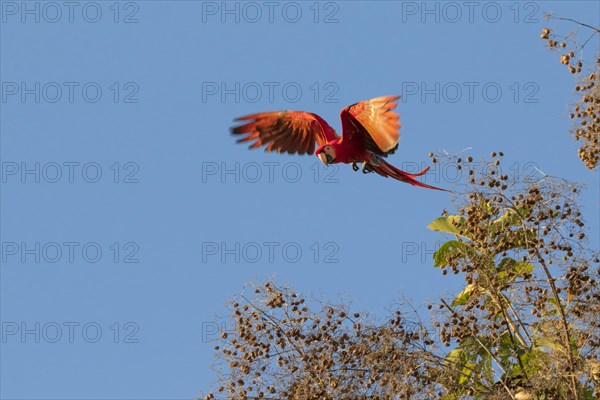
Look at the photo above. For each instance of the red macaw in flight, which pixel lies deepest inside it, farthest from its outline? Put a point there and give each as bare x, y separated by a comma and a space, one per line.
370, 132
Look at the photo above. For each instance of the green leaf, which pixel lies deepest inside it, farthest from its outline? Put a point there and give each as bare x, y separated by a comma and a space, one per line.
488, 370
505, 347
449, 224
589, 393
548, 341
509, 268
552, 301
488, 205
450, 248
530, 360
455, 356
466, 373
512, 217
449, 396
464, 296
523, 268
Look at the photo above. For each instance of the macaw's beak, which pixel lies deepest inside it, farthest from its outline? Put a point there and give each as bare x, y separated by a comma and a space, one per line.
326, 158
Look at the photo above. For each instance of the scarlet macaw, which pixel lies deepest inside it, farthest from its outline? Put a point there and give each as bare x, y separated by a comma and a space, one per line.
370, 132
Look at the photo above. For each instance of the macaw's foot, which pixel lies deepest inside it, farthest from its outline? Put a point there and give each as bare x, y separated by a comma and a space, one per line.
365, 168
354, 167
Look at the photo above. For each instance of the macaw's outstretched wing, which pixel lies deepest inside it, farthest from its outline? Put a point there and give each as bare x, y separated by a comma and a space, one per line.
373, 124
285, 131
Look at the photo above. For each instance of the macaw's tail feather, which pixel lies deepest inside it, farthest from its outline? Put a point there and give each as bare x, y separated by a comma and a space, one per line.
422, 172
387, 170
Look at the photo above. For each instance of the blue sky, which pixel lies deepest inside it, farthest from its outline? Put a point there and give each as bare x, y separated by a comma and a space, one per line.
130, 216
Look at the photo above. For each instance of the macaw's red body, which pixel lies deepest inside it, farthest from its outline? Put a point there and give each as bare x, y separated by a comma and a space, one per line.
370, 133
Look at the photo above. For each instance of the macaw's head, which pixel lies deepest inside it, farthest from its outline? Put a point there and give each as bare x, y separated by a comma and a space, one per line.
326, 153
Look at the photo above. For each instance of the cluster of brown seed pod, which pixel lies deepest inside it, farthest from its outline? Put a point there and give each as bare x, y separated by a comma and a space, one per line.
521, 249
281, 349
586, 112
565, 58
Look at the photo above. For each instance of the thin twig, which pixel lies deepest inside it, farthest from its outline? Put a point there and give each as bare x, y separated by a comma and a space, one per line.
578, 23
